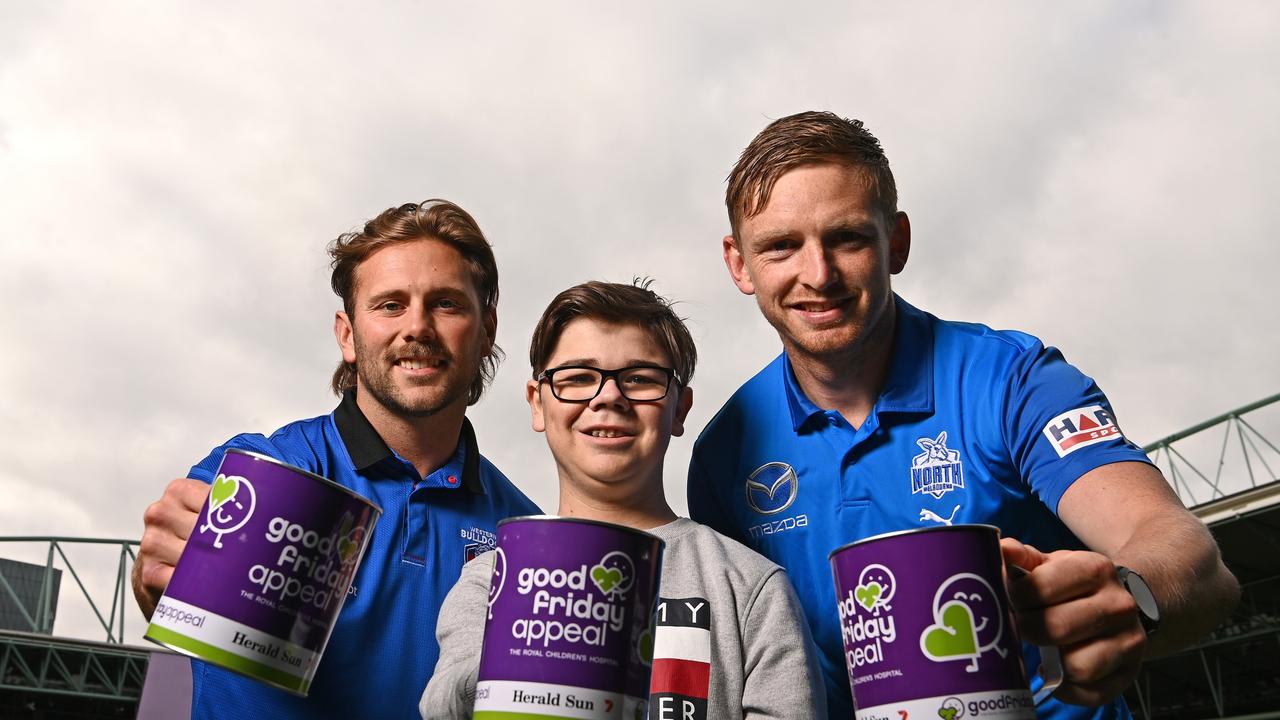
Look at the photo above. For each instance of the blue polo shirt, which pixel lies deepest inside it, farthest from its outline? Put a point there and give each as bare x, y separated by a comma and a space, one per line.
973, 425
383, 647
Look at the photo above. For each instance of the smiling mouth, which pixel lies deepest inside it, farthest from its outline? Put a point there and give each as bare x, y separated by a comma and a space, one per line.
419, 363
820, 306
607, 433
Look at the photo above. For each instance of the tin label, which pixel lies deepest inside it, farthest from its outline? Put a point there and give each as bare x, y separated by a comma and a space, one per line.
265, 571
927, 626
569, 630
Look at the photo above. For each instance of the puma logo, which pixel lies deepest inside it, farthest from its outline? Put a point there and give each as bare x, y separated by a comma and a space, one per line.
931, 516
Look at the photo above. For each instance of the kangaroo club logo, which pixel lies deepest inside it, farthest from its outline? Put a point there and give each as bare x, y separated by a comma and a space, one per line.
772, 488
937, 470
231, 502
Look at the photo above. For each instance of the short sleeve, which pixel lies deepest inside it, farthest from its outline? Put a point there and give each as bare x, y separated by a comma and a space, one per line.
206, 469
1058, 424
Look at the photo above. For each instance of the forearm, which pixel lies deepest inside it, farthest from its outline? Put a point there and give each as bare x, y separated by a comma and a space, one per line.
1180, 561
1127, 512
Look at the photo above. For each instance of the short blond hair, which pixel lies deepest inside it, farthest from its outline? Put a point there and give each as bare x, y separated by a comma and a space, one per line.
804, 139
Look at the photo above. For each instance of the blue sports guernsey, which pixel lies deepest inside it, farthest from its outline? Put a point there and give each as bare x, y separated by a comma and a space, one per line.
973, 425
383, 647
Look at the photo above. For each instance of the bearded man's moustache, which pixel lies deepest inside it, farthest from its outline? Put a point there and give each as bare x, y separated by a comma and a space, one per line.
424, 351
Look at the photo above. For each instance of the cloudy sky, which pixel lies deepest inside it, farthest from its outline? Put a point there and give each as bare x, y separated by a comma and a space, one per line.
1101, 174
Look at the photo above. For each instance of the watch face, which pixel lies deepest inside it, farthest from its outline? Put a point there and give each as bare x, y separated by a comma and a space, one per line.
1137, 587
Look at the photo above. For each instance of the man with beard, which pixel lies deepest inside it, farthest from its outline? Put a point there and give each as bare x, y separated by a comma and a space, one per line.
879, 417
419, 288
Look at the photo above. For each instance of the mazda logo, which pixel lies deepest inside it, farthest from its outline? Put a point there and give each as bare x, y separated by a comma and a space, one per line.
772, 488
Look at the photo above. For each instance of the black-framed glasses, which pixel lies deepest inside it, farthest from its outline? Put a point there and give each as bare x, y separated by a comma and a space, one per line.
582, 383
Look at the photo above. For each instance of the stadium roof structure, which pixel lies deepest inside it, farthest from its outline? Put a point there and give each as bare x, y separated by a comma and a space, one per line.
1233, 485
53, 678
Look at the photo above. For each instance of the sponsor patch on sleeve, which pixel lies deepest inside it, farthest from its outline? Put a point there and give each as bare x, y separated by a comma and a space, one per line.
1081, 427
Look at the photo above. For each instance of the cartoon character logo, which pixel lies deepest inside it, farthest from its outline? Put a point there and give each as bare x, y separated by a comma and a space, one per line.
772, 488
231, 502
498, 579
967, 622
614, 574
951, 709
875, 589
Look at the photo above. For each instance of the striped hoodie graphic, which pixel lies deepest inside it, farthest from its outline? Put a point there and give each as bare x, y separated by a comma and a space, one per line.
681, 659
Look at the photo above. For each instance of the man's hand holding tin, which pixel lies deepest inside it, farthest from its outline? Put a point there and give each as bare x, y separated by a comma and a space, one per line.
167, 524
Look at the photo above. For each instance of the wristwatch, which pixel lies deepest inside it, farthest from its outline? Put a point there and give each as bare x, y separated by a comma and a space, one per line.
1148, 610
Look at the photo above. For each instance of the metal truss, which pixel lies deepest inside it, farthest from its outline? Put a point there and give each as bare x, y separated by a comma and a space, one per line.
32, 663
1227, 471
1252, 462
40, 618
46, 676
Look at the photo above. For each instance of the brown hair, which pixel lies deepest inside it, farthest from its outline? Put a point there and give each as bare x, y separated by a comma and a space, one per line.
633, 304
803, 139
428, 220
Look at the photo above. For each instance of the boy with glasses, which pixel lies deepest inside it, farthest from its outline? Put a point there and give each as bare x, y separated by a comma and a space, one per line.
611, 367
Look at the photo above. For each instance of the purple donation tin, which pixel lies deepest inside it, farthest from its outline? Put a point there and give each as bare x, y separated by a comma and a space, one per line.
265, 571
569, 631
927, 626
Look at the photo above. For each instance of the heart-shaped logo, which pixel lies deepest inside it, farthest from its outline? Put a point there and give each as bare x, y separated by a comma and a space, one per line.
348, 538
645, 647
947, 713
606, 578
224, 488
348, 545
953, 637
868, 594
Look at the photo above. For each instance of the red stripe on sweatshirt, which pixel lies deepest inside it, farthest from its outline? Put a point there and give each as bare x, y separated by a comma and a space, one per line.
682, 677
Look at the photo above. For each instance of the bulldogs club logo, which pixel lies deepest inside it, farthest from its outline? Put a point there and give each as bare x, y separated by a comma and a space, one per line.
480, 542
772, 488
